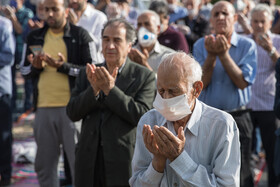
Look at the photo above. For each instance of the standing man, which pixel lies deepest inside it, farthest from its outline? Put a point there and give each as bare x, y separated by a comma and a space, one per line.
194, 25
53, 70
19, 15
86, 16
184, 142
148, 52
168, 36
263, 90
110, 98
7, 51
229, 63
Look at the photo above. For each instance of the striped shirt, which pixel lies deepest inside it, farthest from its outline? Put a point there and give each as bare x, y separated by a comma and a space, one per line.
263, 90
211, 155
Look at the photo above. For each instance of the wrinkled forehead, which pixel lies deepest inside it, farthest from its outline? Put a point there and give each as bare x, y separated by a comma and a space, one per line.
223, 7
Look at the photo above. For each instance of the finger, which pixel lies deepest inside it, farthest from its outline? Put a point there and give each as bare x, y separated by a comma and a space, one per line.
98, 73
146, 53
88, 70
104, 73
181, 134
160, 135
115, 73
61, 57
30, 58
166, 134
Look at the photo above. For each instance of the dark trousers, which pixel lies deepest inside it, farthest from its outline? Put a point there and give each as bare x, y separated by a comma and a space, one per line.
5, 137
267, 122
28, 89
245, 126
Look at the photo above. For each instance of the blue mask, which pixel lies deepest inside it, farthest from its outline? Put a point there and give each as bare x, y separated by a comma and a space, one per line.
13, 3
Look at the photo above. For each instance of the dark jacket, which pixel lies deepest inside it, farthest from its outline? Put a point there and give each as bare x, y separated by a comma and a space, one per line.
77, 41
120, 111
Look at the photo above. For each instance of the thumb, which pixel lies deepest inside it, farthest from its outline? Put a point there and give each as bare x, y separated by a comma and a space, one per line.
181, 134
146, 53
115, 72
61, 57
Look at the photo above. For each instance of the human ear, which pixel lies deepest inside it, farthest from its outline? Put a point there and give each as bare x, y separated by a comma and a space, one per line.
197, 86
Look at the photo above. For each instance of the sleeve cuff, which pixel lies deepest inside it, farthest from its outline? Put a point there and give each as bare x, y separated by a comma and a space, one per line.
152, 176
183, 163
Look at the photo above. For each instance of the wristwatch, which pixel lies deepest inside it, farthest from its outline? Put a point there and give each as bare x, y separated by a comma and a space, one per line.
271, 53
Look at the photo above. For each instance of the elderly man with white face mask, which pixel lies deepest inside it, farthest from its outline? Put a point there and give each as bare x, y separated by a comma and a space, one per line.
184, 142
148, 51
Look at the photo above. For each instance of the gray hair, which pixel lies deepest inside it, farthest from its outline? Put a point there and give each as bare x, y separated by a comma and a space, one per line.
156, 16
262, 8
130, 31
190, 69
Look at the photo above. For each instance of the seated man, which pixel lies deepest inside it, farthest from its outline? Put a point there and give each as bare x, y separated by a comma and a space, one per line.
184, 142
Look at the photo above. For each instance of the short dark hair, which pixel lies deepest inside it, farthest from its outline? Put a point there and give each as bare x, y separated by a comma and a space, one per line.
160, 7
130, 30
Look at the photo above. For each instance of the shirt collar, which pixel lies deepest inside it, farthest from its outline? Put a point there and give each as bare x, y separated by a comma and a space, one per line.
87, 11
234, 39
193, 123
156, 49
120, 68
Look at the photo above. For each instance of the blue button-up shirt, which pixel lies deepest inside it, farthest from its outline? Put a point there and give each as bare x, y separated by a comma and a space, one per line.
7, 50
222, 93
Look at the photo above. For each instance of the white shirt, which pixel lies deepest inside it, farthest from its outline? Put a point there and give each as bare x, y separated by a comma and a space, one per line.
156, 55
93, 21
211, 156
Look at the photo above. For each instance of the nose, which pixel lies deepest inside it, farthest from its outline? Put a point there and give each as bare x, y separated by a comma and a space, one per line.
221, 16
49, 13
165, 95
260, 24
111, 45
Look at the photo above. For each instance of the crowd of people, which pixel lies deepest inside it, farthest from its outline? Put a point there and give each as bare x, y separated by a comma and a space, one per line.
169, 93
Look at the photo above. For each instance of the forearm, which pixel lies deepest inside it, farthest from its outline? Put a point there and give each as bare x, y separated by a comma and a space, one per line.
233, 71
275, 56
83, 100
17, 26
207, 69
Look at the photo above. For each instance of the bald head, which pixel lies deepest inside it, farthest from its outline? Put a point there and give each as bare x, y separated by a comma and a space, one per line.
182, 66
223, 18
226, 4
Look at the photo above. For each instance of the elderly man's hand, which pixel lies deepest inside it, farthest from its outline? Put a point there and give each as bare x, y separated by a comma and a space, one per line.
141, 58
148, 137
209, 43
222, 45
216, 46
170, 146
264, 41
90, 70
105, 80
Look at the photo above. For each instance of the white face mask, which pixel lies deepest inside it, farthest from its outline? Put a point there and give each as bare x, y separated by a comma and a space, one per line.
173, 109
145, 37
